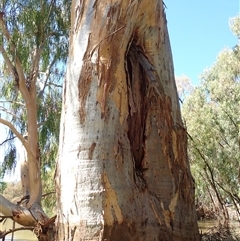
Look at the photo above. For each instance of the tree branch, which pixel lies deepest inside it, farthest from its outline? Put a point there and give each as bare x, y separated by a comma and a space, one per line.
22, 81
8, 112
14, 130
5, 233
38, 51
3, 217
4, 28
55, 85
20, 74
9, 139
50, 10
8, 62
20, 214
6, 206
14, 102
35, 65
46, 79
40, 95
46, 194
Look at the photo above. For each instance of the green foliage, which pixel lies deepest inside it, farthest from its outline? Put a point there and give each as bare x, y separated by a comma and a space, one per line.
9, 159
212, 117
3, 186
235, 25
38, 30
49, 196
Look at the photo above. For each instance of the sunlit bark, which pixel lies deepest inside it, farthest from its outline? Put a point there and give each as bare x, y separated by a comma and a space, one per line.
20, 214
122, 171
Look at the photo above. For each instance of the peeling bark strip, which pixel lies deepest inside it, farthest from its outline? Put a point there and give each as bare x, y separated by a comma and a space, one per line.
132, 180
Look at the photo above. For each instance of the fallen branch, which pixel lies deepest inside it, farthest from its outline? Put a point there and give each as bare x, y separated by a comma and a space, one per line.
38, 230
19, 214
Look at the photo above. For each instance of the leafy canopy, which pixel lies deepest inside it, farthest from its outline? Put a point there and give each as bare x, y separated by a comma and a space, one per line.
212, 116
36, 32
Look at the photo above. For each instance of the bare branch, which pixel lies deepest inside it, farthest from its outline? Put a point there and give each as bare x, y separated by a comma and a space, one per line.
49, 193
9, 139
8, 112
14, 102
231, 119
41, 123
35, 229
55, 85
2, 217
47, 77
5, 233
40, 95
20, 137
50, 10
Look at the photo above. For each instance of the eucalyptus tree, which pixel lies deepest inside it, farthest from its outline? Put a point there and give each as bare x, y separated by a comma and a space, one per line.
33, 47
122, 170
212, 117
184, 87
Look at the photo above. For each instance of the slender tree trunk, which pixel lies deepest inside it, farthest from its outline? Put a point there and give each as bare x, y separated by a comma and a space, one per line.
31, 213
122, 170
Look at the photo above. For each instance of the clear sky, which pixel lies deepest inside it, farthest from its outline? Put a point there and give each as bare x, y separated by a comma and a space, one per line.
198, 31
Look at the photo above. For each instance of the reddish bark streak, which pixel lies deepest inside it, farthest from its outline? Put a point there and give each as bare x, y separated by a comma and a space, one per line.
91, 150
84, 83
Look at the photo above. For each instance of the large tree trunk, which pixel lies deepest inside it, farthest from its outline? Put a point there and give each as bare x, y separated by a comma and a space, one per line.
122, 171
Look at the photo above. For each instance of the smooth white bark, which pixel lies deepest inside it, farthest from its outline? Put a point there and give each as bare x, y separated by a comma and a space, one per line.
20, 214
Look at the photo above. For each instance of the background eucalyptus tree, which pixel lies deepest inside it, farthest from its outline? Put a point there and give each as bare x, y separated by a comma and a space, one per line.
33, 47
212, 117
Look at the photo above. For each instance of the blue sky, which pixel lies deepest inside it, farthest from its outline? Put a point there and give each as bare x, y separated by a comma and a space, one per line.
198, 31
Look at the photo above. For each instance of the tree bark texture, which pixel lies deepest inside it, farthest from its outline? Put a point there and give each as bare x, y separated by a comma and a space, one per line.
122, 170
